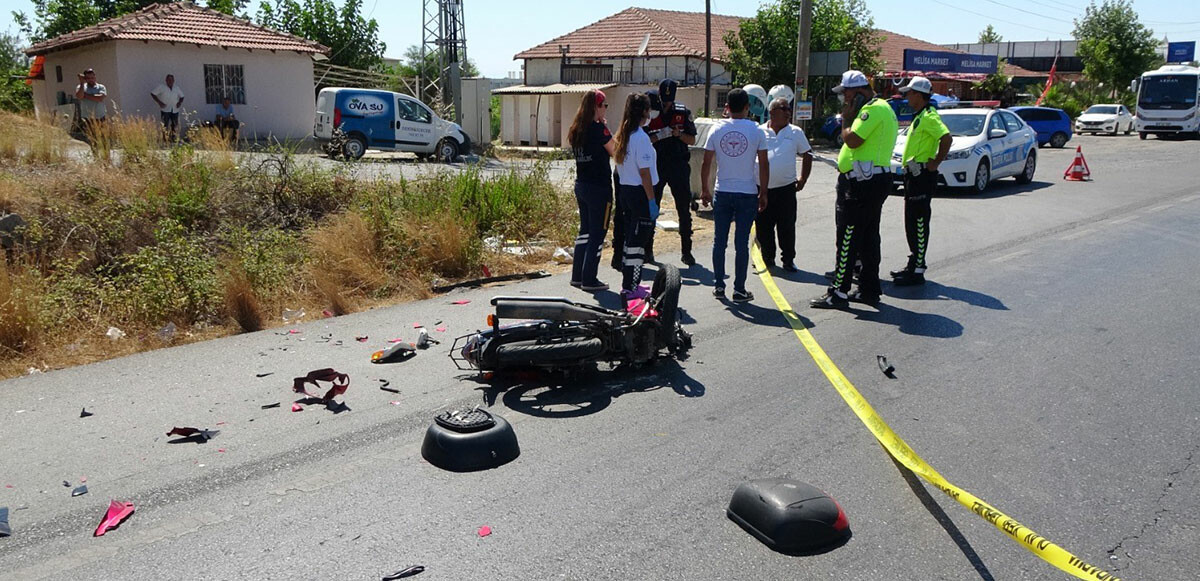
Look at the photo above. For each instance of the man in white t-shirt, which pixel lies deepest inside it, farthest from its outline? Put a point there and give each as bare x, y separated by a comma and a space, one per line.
169, 98
736, 145
784, 142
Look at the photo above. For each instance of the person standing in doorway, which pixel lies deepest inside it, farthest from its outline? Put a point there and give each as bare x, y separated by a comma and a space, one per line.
784, 142
592, 145
169, 98
672, 132
637, 170
863, 185
735, 145
928, 145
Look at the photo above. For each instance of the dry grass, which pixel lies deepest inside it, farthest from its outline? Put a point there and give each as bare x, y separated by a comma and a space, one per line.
19, 324
139, 138
330, 291
23, 138
241, 301
344, 249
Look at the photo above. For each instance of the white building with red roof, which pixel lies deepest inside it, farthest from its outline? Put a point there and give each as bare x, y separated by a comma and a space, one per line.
267, 74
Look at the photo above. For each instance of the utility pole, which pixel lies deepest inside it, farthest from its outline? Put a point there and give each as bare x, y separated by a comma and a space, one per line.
707, 56
803, 38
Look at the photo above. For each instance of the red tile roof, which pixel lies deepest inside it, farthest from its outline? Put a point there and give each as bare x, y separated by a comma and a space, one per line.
671, 33
183, 23
891, 53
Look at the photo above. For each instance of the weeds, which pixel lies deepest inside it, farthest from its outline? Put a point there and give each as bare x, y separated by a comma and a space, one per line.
187, 235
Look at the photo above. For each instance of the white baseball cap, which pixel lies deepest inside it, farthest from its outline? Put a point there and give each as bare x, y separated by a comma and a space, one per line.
852, 79
918, 84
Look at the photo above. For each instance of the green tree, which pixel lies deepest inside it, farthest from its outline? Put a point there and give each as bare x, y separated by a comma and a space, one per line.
1114, 46
990, 36
232, 7
763, 50
353, 40
411, 64
52, 18
15, 95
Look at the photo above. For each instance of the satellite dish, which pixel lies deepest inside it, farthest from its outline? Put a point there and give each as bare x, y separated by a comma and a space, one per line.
645, 44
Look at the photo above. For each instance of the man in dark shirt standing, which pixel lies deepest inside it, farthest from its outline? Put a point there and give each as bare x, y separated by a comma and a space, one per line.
672, 131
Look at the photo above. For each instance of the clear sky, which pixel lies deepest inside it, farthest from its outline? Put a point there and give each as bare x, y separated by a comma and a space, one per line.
498, 29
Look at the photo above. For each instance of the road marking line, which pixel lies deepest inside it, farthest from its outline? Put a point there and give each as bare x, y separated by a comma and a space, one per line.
900, 450
1191, 198
1008, 257
1159, 208
1077, 234
1123, 220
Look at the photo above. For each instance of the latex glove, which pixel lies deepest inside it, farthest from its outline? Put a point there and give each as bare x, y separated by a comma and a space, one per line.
653, 209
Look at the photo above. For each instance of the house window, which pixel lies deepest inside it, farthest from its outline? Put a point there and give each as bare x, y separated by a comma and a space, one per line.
58, 72
222, 81
722, 98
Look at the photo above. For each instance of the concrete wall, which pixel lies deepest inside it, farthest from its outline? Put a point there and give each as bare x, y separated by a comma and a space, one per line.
280, 102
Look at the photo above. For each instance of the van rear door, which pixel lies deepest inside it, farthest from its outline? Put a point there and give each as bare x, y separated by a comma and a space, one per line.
414, 126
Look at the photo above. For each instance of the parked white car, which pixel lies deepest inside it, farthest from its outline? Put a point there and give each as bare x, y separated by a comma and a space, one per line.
988, 144
1111, 118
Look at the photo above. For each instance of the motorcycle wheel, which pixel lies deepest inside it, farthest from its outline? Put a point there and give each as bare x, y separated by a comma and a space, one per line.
666, 292
532, 353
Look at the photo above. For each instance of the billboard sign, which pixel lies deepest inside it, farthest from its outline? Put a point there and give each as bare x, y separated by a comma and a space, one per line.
931, 61
1181, 52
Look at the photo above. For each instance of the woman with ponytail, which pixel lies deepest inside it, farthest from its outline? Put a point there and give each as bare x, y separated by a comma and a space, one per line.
637, 170
592, 145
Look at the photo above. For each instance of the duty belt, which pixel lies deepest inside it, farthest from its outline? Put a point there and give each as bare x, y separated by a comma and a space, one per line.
915, 168
865, 170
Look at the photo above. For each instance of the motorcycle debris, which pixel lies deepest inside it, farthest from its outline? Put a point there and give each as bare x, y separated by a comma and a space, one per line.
340, 381
79, 490
886, 367
84, 413
485, 531
264, 374
270, 405
117, 512
401, 574
395, 352
383, 385
5, 530
189, 434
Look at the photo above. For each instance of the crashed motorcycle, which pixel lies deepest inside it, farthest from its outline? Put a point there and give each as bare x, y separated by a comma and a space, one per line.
558, 333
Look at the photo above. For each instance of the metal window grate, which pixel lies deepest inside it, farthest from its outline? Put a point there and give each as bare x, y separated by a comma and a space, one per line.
222, 81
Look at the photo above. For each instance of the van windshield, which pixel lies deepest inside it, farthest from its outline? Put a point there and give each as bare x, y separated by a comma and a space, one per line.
1168, 92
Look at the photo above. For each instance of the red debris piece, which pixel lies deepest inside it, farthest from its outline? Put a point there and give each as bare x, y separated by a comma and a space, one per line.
462, 301
362, 339
440, 329
340, 381
396, 341
190, 432
485, 531
8, 486
394, 402
327, 313
221, 450
297, 407
83, 478
417, 325
294, 332
487, 272
117, 512
220, 423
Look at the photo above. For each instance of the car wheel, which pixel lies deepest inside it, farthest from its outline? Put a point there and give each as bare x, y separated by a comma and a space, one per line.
1142, 135
447, 150
983, 176
837, 140
354, 148
1129, 128
1058, 140
1026, 176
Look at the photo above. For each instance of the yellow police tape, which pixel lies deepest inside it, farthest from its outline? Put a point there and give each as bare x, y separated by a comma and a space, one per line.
898, 448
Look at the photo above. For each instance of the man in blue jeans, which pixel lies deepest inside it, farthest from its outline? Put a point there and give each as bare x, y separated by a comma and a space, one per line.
735, 145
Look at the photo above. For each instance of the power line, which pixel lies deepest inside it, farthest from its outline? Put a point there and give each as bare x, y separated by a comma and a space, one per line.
1003, 5
948, 5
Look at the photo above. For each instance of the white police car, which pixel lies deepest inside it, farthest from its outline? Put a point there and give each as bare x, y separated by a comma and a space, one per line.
988, 144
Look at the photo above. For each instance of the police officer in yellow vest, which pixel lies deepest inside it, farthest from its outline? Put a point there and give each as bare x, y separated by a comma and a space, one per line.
869, 129
927, 146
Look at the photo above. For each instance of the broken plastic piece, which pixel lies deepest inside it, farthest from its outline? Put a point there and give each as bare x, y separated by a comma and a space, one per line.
293, 331
417, 325
885, 367
362, 339
84, 413
192, 434
340, 381
270, 405
440, 329
297, 407
264, 374
5, 530
327, 313
409, 572
394, 402
79, 490
485, 531
291, 315
461, 302
117, 512
383, 384
114, 333
66, 483
562, 256
395, 352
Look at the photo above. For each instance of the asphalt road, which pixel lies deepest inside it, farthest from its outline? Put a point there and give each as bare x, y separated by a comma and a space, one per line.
1048, 368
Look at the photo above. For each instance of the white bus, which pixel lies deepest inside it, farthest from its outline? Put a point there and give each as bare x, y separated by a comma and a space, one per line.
1166, 101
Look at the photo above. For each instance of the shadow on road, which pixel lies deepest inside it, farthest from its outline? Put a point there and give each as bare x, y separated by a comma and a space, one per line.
909, 322
586, 391
935, 291
943, 519
995, 190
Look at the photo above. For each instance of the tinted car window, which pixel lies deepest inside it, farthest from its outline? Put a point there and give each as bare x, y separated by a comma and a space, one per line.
411, 111
996, 123
1039, 115
1011, 122
960, 125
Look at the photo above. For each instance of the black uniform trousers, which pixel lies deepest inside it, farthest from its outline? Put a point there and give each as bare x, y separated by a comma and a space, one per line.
780, 216
679, 177
638, 227
618, 223
857, 214
918, 191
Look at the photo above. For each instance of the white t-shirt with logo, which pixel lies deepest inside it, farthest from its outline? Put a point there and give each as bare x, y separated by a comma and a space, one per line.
782, 149
170, 97
736, 143
639, 154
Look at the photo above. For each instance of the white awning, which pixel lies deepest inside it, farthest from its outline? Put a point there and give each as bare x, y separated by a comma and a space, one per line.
555, 89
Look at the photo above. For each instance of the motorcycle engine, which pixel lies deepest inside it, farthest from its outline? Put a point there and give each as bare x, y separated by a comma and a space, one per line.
641, 342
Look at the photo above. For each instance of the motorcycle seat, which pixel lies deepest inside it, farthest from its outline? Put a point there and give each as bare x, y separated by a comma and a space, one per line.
554, 310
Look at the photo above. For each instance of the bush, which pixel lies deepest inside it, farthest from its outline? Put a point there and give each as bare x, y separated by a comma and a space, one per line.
175, 279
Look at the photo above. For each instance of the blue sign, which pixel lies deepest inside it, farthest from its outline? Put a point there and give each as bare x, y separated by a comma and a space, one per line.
931, 61
1181, 52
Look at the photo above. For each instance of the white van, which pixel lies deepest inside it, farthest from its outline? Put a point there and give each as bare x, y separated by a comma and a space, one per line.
374, 119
